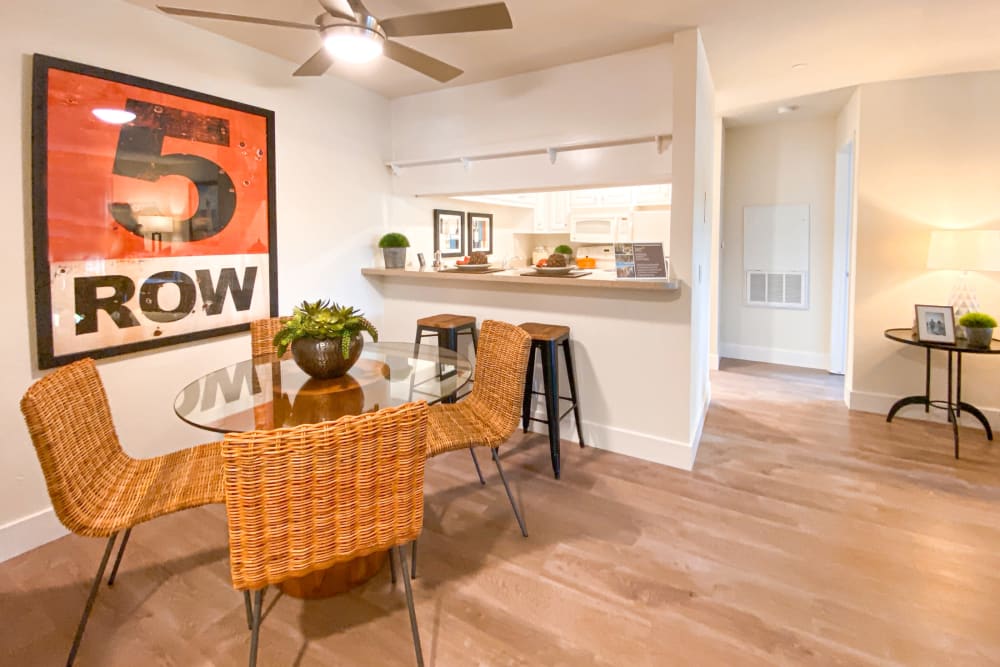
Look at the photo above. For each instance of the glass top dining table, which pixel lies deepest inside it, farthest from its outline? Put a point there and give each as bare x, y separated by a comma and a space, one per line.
267, 393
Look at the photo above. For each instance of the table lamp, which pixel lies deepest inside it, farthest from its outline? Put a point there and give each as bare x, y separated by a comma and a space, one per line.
964, 250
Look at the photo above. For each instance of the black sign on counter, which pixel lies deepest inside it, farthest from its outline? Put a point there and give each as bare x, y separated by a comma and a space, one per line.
641, 261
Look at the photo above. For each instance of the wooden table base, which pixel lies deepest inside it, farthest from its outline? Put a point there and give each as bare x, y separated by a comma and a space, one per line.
339, 578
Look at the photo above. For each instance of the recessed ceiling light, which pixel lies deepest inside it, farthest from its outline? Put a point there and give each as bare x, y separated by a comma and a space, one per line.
799, 65
114, 116
788, 108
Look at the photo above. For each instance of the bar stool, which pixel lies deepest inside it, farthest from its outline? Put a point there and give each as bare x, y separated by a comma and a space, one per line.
547, 338
448, 328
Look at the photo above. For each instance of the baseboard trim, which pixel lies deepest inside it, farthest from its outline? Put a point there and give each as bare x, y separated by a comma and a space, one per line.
865, 401
772, 355
29, 532
644, 446
696, 440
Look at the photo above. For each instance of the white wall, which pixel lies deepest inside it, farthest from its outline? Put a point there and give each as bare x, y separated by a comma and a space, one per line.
928, 159
696, 157
616, 97
783, 162
331, 188
848, 129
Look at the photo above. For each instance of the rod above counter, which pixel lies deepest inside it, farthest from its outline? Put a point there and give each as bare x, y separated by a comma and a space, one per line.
596, 279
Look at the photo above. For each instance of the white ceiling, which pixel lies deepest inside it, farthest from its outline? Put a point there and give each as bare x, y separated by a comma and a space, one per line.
751, 44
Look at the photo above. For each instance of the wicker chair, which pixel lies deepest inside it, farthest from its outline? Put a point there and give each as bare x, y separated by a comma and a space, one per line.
97, 490
262, 333
492, 412
302, 499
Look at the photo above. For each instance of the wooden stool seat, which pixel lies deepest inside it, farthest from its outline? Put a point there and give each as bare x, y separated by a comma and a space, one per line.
446, 327
546, 332
446, 321
546, 339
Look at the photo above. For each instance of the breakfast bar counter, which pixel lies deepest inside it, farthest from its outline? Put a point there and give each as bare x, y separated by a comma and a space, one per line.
595, 279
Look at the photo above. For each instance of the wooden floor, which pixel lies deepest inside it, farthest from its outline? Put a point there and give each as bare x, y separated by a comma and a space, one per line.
805, 535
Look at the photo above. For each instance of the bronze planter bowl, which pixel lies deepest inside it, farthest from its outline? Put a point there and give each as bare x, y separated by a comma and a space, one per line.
324, 359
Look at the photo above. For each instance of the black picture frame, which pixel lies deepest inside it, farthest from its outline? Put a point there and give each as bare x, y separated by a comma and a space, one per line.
449, 230
472, 233
118, 267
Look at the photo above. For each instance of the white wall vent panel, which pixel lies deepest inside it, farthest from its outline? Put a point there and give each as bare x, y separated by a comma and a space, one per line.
776, 255
777, 290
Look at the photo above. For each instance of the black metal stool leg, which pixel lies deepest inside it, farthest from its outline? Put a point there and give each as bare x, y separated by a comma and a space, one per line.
255, 628
118, 558
409, 604
510, 496
550, 376
413, 559
392, 565
529, 386
90, 601
571, 376
482, 480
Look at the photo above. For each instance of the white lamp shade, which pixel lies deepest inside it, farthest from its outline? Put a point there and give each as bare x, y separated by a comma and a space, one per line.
964, 250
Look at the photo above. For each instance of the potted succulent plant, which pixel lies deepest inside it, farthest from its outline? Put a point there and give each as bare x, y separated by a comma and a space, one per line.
325, 338
394, 247
567, 251
978, 328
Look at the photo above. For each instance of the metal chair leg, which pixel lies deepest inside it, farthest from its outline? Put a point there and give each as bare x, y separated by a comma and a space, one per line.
118, 558
510, 496
258, 605
392, 566
413, 559
90, 601
246, 603
475, 460
413, 614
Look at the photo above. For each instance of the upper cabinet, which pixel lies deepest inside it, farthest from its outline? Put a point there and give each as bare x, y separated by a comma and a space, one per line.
552, 212
640, 195
652, 195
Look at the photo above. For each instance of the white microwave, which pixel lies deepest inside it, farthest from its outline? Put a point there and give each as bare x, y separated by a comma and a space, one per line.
600, 227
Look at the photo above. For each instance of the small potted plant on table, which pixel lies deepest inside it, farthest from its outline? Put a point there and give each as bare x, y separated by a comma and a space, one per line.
394, 247
325, 338
978, 329
567, 251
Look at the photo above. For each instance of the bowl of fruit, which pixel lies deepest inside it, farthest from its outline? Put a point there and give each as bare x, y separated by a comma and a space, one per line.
555, 264
477, 261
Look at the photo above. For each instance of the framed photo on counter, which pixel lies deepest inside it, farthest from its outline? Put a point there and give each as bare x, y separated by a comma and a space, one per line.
154, 217
480, 232
935, 324
449, 232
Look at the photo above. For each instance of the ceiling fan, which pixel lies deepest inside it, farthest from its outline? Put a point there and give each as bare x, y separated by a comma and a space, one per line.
351, 33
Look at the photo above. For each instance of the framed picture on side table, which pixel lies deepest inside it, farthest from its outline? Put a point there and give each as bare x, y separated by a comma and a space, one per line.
480, 233
935, 324
449, 232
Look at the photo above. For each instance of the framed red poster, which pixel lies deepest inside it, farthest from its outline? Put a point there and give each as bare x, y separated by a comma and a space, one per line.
153, 213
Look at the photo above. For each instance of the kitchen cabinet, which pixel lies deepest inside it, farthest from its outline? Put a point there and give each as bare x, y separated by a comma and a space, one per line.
552, 213
652, 195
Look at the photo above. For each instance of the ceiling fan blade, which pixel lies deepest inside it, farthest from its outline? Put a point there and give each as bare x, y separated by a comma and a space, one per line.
320, 62
197, 13
339, 8
465, 19
359, 7
423, 63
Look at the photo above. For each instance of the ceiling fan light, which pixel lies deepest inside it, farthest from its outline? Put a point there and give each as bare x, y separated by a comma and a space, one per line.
353, 44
